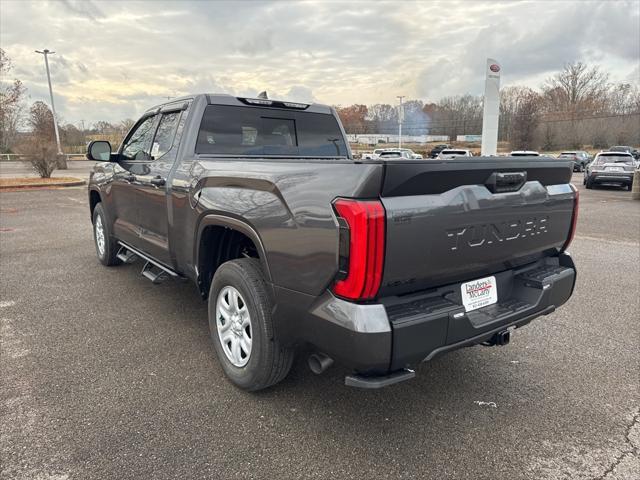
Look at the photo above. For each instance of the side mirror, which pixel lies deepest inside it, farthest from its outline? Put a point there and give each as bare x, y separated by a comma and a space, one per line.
99, 150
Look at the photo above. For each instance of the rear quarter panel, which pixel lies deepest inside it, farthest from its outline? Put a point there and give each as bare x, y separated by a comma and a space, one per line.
289, 205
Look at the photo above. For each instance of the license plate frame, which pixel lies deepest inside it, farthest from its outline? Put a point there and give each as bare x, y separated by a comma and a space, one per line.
479, 293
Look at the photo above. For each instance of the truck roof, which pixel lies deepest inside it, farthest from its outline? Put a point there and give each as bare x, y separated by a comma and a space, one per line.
226, 99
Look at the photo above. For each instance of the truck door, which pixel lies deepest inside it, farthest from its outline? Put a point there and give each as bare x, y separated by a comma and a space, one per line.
151, 187
132, 159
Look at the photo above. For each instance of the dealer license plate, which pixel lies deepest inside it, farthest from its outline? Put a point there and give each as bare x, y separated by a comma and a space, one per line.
479, 293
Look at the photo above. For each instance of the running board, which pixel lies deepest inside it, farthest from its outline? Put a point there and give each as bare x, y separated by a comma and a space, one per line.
153, 270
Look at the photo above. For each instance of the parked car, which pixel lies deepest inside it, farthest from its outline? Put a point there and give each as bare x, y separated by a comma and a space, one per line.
610, 168
399, 152
406, 152
524, 153
414, 155
396, 154
453, 153
580, 159
293, 243
435, 151
625, 148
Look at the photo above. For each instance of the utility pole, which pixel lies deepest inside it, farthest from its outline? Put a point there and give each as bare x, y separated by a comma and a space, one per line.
46, 52
84, 137
400, 118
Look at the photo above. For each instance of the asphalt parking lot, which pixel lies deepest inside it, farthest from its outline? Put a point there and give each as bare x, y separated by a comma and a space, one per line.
105, 375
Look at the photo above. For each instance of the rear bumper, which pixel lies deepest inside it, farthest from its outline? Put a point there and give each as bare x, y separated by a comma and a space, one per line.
400, 332
612, 178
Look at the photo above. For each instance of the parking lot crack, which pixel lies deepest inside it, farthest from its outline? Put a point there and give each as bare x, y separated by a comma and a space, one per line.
631, 448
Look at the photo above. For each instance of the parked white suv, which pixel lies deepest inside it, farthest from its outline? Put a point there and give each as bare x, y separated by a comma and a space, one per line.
453, 153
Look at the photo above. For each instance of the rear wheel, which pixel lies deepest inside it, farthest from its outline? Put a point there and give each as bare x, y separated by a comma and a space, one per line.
589, 184
106, 247
242, 329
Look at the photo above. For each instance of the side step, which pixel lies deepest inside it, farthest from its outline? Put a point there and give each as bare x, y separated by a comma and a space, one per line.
153, 273
125, 255
152, 269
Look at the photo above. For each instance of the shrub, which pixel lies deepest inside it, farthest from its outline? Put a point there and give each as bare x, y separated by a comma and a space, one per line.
44, 157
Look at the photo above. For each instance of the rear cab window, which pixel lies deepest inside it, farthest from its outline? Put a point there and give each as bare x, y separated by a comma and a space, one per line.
257, 131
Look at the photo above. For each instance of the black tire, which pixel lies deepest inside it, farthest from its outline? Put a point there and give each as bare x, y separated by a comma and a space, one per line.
629, 187
589, 184
108, 256
269, 362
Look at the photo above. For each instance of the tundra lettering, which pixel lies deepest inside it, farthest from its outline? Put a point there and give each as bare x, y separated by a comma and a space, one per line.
478, 235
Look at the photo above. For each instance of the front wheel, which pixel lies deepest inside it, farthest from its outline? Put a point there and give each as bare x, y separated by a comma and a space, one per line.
242, 329
106, 247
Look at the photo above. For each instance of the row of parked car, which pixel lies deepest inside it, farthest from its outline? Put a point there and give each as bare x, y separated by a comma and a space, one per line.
614, 166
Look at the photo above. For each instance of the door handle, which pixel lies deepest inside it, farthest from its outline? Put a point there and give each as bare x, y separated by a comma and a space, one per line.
158, 181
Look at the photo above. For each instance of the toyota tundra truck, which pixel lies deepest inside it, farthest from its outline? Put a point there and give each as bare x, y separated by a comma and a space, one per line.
375, 264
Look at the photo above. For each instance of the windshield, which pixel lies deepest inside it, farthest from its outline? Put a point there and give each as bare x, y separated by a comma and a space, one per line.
568, 154
390, 154
231, 130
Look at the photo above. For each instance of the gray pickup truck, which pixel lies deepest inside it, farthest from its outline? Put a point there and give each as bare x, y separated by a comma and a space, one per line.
376, 264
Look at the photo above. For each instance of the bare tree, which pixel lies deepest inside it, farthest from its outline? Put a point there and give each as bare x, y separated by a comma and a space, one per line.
42, 147
457, 115
528, 106
126, 124
577, 89
11, 106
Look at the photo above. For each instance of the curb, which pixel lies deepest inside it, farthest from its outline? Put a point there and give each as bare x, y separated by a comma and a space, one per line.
24, 186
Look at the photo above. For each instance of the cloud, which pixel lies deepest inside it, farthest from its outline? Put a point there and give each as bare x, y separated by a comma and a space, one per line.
115, 59
83, 8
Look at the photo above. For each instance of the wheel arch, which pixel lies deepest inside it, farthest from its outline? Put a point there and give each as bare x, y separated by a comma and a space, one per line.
94, 199
231, 235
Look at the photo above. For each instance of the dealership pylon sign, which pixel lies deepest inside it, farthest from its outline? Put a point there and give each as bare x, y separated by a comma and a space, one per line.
491, 108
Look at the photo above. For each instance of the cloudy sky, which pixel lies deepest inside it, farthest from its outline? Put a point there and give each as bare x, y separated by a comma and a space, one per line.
115, 59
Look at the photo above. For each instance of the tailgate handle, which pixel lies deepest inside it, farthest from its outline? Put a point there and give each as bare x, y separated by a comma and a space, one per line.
499, 182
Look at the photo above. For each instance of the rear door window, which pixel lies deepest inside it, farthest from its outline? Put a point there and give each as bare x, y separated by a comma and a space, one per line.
251, 131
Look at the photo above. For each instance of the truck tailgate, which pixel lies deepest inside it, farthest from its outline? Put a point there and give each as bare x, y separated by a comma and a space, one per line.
460, 219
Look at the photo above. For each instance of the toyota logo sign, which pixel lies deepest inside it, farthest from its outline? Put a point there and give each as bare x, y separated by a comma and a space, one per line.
495, 68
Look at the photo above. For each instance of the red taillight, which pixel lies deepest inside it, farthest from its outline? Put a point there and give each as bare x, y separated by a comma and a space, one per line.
574, 218
365, 220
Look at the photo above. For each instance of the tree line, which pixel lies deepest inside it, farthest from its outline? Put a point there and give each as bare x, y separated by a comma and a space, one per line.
576, 106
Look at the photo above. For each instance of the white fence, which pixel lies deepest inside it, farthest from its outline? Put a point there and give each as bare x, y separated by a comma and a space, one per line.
375, 138
469, 138
20, 157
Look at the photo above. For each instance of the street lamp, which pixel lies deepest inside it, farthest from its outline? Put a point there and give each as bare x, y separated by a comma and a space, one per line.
400, 115
46, 52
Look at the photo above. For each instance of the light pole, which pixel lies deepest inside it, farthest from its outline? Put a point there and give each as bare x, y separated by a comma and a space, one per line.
46, 52
400, 115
